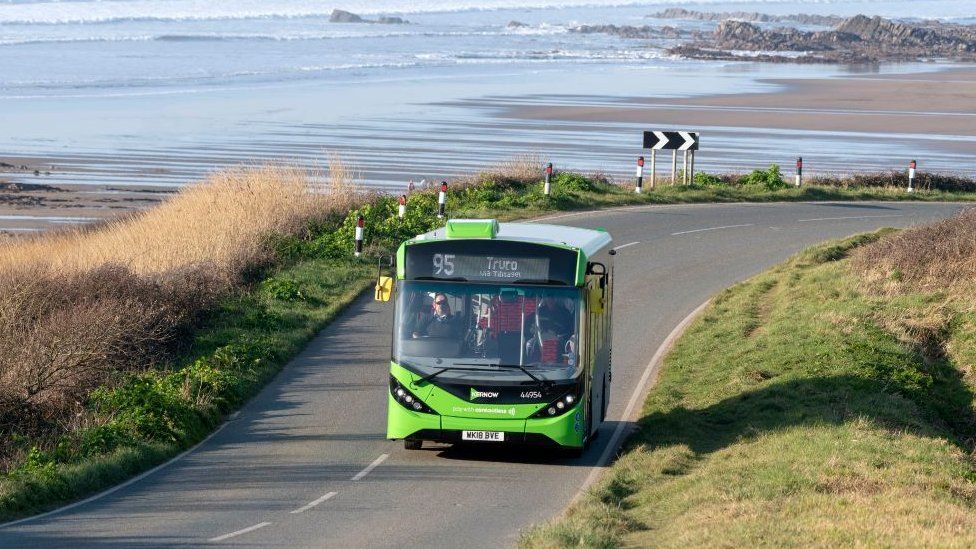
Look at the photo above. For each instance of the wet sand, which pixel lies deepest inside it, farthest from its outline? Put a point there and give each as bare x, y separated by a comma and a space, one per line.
940, 103
38, 205
839, 125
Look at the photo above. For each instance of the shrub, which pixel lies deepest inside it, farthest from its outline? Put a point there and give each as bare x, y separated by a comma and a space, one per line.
709, 180
770, 179
283, 289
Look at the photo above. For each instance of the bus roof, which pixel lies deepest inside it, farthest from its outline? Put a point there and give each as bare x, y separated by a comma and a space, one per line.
588, 241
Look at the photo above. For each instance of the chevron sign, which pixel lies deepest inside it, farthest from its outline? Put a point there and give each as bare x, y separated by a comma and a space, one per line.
671, 141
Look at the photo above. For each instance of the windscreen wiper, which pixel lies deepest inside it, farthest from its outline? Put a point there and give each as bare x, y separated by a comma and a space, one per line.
544, 382
429, 377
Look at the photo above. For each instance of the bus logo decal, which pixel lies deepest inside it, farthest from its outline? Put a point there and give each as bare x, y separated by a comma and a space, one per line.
482, 394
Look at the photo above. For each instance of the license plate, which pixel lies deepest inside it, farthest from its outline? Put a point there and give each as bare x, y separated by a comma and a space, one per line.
484, 436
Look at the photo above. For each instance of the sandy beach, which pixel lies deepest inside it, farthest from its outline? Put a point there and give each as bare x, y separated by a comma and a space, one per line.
863, 122
939, 103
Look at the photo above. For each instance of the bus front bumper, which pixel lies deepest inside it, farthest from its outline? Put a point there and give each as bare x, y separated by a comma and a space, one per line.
564, 430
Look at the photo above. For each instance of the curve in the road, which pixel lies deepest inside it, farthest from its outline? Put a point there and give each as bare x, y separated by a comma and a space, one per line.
306, 463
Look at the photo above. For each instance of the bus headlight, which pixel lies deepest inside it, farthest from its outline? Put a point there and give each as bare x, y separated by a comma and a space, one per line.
557, 407
407, 399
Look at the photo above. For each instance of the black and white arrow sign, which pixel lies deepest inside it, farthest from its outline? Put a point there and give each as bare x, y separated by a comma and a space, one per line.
680, 141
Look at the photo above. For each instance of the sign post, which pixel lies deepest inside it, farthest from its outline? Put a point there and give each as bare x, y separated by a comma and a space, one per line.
684, 170
672, 141
674, 166
653, 168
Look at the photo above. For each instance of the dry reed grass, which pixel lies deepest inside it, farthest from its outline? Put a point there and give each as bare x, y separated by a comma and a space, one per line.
76, 307
936, 257
521, 168
223, 223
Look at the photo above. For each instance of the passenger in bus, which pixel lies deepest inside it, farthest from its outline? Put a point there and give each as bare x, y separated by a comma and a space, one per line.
440, 322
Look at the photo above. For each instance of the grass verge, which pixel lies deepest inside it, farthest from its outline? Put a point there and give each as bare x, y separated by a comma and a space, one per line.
828, 401
270, 266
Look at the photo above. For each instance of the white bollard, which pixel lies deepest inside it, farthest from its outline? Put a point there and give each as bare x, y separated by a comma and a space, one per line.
360, 222
640, 175
799, 171
403, 206
547, 187
442, 200
911, 176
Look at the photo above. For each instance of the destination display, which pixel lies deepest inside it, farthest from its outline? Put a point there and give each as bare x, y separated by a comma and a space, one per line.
491, 261
490, 268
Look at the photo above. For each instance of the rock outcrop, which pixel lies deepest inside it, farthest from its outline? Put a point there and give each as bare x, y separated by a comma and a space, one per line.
858, 39
751, 16
342, 16
628, 31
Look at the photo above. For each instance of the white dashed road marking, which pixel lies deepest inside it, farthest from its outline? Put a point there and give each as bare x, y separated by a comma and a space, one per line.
304, 508
851, 217
241, 531
711, 229
370, 467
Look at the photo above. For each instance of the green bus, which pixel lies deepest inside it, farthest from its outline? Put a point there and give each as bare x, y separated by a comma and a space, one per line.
501, 334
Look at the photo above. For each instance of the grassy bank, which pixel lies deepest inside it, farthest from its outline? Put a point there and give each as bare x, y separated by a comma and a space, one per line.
127, 342
829, 401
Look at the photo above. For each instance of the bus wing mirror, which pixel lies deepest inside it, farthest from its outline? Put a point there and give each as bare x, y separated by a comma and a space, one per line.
595, 294
594, 300
384, 288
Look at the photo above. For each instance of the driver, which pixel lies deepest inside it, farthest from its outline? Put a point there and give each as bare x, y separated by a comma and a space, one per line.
555, 317
440, 322
553, 331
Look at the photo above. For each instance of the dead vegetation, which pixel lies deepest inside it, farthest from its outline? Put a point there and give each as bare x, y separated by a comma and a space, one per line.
78, 307
223, 223
519, 169
928, 181
936, 257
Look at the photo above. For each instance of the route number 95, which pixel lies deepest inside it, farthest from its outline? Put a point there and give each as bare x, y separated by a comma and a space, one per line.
444, 264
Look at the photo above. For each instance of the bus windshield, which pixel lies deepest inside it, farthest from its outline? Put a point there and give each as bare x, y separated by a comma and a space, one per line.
488, 331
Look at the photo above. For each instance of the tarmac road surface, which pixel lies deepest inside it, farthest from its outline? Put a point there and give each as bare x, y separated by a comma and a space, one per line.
306, 464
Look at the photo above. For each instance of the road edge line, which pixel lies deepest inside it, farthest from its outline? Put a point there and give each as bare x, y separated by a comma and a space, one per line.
118, 487
647, 381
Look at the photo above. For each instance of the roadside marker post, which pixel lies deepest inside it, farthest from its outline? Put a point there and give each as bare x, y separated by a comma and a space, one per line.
403, 206
410, 186
441, 200
547, 188
911, 176
673, 141
360, 223
799, 171
640, 175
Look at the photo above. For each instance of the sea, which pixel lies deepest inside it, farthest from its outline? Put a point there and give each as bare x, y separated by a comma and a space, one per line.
159, 93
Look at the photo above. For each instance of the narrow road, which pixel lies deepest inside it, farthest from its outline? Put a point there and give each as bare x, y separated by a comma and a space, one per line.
305, 464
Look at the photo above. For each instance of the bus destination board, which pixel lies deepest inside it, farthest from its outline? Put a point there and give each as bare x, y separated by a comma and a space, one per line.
504, 262
489, 268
